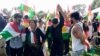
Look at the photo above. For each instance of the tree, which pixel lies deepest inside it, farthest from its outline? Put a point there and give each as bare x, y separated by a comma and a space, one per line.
95, 4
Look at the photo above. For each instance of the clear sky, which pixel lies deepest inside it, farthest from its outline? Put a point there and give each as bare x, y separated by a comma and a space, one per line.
44, 5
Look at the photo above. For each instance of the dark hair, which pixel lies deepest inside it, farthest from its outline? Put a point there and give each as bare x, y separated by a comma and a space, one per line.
40, 20
35, 22
55, 21
75, 15
17, 15
26, 17
50, 20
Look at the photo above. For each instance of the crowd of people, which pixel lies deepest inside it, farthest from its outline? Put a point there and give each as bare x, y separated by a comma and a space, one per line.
23, 37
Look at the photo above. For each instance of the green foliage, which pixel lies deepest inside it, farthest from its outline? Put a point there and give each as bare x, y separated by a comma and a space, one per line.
95, 4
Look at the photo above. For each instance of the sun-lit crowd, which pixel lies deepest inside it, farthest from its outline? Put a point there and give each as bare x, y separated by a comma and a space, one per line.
21, 36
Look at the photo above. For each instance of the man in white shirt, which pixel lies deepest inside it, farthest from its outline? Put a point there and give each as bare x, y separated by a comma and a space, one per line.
77, 35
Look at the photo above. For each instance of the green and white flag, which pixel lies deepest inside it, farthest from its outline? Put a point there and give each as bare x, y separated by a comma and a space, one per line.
10, 31
21, 7
30, 11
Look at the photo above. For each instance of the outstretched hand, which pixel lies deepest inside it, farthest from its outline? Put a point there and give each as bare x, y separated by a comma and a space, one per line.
59, 8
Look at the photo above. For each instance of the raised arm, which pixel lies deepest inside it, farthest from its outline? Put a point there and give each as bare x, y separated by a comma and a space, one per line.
62, 15
61, 20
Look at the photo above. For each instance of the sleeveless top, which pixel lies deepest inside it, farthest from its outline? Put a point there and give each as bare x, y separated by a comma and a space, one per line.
76, 43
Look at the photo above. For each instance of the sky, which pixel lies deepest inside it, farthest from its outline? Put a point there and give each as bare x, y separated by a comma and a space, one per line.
44, 5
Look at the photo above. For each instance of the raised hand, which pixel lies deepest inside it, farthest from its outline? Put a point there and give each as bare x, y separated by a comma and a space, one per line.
59, 8
61, 11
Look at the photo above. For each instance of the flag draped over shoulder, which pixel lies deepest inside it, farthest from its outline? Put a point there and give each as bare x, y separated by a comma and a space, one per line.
11, 30
29, 10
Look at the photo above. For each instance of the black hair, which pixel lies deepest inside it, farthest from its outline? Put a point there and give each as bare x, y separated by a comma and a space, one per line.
55, 21
40, 20
75, 15
17, 15
50, 20
26, 17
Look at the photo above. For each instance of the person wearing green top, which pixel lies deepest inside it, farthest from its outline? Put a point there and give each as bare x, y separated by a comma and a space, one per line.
66, 38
